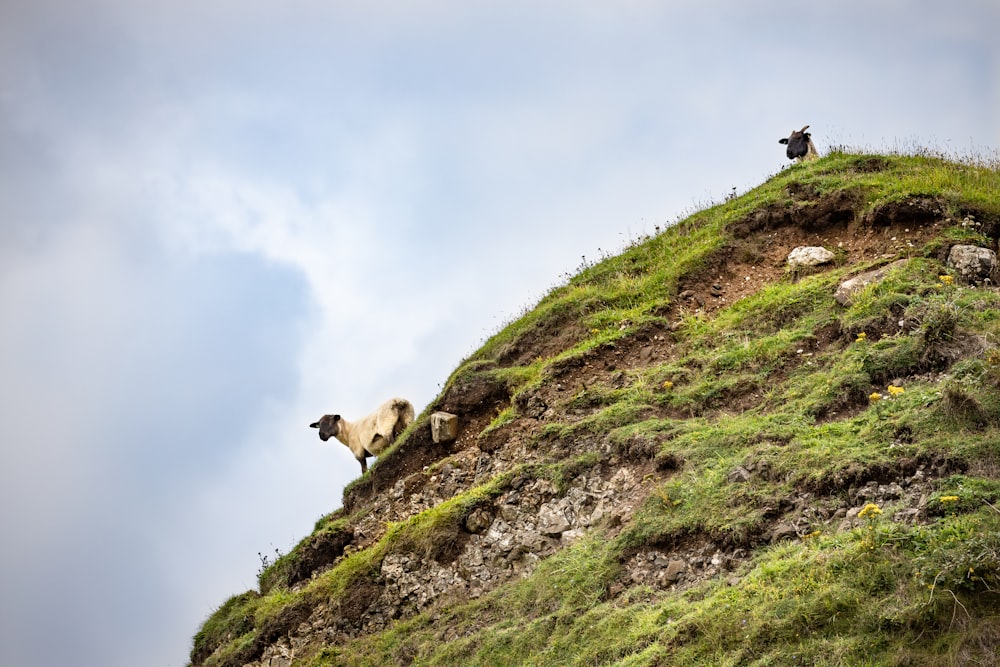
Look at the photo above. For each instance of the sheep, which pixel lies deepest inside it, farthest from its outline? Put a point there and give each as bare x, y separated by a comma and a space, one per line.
800, 145
369, 436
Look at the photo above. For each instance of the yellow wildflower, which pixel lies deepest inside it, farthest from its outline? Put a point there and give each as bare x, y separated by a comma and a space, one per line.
895, 391
870, 510
946, 279
862, 337
948, 499
668, 385
875, 397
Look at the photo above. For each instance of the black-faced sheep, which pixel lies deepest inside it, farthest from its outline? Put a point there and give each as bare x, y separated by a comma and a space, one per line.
369, 436
800, 145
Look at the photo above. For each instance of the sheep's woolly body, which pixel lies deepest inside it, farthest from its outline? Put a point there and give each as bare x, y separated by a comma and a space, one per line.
371, 435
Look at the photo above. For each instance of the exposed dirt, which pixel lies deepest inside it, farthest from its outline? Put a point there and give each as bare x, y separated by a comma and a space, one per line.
318, 551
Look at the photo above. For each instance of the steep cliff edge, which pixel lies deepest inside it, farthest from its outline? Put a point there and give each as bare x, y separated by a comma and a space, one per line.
693, 453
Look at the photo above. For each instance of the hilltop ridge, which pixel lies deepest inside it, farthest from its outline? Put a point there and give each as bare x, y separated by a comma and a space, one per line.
693, 453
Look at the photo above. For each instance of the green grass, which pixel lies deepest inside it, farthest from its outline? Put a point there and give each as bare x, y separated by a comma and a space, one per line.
737, 390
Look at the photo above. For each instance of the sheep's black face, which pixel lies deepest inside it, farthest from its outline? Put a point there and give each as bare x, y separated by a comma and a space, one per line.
798, 143
328, 425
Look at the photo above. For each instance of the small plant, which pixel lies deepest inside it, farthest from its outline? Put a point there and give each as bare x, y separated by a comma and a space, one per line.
948, 502
960, 403
871, 538
879, 400
266, 562
812, 539
503, 417
663, 495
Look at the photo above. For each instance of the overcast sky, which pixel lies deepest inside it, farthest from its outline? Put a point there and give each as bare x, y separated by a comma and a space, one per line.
221, 219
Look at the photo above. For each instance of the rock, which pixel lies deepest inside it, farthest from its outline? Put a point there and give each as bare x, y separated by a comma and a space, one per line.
552, 520
501, 536
739, 475
674, 570
973, 263
690, 295
783, 531
531, 405
478, 520
852, 286
891, 491
280, 661
646, 354
482, 467
444, 427
809, 256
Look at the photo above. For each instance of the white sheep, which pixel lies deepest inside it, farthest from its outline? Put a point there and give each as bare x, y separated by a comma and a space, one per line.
369, 436
800, 145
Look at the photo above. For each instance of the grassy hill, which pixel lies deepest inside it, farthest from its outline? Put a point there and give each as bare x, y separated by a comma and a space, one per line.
692, 454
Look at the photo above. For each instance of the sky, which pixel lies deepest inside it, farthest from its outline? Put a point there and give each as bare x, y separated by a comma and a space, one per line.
221, 219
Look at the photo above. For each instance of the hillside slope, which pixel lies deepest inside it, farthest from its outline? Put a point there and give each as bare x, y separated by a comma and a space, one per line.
692, 454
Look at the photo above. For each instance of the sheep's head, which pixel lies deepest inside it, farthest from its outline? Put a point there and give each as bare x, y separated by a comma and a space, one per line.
328, 425
798, 143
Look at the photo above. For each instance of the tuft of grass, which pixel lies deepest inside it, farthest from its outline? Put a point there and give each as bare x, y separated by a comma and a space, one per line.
231, 622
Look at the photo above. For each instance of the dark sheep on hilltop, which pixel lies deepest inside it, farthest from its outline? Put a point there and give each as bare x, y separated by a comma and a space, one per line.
800, 145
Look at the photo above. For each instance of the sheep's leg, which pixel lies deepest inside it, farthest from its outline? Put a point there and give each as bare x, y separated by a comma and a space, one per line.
364, 465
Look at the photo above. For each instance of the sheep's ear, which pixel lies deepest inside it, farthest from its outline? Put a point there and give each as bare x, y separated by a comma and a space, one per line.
783, 141
804, 128
314, 425
336, 418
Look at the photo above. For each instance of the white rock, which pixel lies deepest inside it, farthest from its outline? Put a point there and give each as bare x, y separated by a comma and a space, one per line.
809, 256
973, 263
552, 520
444, 427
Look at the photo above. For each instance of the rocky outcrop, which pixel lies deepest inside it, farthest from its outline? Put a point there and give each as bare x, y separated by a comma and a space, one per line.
852, 286
500, 540
973, 264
